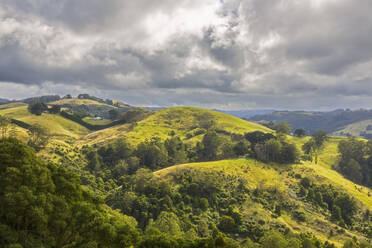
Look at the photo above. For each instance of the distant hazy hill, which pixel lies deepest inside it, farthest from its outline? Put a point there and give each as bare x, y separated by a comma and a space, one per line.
247, 113
311, 121
2, 101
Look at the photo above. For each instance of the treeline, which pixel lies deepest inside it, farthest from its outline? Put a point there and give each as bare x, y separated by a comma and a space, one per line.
118, 158
356, 160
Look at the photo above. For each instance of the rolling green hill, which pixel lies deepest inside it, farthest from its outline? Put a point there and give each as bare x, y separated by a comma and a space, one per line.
55, 124
240, 197
187, 122
283, 180
361, 129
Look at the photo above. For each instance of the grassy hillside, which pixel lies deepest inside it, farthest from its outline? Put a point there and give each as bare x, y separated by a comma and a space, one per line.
55, 124
187, 122
281, 179
362, 129
76, 101
12, 105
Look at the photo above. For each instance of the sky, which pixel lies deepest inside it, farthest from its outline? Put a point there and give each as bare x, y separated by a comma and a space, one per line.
226, 54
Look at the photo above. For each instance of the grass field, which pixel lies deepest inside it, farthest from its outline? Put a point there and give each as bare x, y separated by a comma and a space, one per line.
280, 177
184, 120
76, 101
91, 121
55, 124
12, 105
355, 129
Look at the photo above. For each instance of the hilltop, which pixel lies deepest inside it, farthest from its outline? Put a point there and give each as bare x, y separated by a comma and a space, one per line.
189, 123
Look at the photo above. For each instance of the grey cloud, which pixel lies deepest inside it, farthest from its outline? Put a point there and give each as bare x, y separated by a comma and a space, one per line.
256, 53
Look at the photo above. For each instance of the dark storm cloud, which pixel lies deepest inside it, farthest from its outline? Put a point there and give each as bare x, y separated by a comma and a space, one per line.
251, 53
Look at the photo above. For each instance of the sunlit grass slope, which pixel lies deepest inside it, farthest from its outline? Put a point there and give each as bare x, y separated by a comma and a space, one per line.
188, 120
77, 101
55, 124
355, 129
281, 178
185, 122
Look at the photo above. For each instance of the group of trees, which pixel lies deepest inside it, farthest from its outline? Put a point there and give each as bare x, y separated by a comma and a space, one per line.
269, 148
356, 160
341, 206
37, 108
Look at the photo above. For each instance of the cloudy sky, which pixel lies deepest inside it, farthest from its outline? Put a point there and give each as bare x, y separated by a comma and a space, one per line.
230, 54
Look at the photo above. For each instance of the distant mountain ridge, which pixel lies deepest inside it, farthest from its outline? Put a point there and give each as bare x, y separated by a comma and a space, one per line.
246, 113
312, 121
3, 100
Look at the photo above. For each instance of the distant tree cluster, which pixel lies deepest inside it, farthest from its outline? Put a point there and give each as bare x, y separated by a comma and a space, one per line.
37, 108
269, 148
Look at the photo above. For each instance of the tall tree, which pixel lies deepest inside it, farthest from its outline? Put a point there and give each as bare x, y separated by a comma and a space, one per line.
4, 125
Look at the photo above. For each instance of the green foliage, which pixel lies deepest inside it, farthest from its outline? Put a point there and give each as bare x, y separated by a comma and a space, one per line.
299, 132
283, 128
37, 108
44, 206
114, 114
4, 125
39, 136
342, 207
274, 150
152, 154
356, 160
315, 144
211, 143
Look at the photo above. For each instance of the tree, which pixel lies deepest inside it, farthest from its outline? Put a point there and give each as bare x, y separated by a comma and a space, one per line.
336, 214
39, 136
353, 171
319, 138
4, 125
152, 154
242, 148
283, 128
176, 150
37, 108
55, 109
114, 114
299, 132
289, 153
315, 144
211, 142
168, 223
273, 239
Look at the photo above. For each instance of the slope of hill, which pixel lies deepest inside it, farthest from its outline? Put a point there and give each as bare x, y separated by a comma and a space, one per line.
313, 121
281, 181
3, 101
361, 129
55, 124
187, 122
